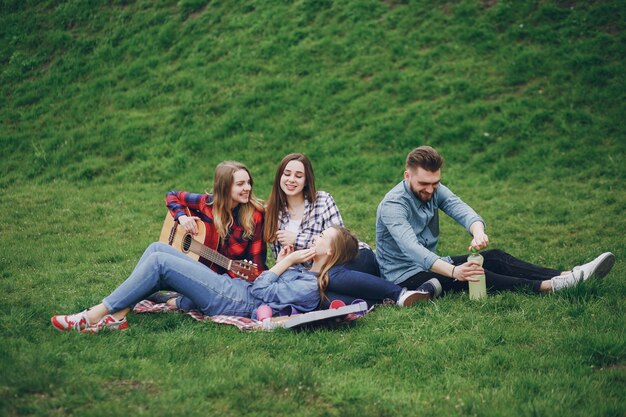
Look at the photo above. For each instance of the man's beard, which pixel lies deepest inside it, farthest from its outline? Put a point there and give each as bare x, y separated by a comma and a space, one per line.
422, 196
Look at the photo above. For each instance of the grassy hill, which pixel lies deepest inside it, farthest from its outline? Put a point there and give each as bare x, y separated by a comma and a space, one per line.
105, 105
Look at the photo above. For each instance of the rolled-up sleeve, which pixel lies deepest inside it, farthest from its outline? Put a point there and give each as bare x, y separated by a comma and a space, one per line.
456, 208
176, 201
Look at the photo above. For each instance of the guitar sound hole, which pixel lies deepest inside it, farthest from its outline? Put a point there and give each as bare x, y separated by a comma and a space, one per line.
186, 243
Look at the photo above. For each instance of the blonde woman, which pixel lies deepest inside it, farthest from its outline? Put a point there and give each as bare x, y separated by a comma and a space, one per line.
232, 215
162, 267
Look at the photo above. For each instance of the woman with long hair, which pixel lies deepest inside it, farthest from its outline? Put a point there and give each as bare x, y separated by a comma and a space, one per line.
163, 267
296, 212
232, 215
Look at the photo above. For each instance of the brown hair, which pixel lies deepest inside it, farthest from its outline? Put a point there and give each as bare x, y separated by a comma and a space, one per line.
277, 201
344, 248
424, 157
222, 202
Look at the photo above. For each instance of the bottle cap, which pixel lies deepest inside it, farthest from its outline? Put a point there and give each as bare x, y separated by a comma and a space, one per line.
474, 250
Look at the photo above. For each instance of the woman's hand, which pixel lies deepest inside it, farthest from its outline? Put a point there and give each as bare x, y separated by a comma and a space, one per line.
466, 271
301, 256
288, 257
286, 237
286, 250
189, 223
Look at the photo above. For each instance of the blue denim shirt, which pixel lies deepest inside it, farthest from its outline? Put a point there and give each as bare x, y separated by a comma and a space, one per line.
295, 287
407, 230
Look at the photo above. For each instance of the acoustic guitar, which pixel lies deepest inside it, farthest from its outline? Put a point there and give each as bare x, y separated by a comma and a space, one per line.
176, 236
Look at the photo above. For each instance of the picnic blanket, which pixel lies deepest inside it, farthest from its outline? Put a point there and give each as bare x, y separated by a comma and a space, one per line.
242, 323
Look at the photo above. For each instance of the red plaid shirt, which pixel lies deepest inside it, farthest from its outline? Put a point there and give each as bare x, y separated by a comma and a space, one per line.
235, 246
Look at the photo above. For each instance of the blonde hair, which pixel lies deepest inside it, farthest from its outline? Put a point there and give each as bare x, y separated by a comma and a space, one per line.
223, 204
344, 248
277, 201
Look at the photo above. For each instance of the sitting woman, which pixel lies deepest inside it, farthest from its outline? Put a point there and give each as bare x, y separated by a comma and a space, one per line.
296, 212
232, 216
164, 268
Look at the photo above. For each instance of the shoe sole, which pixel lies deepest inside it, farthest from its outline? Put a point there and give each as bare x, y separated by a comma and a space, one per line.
604, 266
414, 298
121, 328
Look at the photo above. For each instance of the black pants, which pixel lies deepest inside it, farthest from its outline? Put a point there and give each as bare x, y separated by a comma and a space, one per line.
503, 272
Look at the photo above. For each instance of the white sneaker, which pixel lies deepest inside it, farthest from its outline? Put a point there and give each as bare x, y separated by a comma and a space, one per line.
565, 281
408, 298
598, 268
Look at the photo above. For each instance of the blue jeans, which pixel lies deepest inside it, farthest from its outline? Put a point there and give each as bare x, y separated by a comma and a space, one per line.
162, 267
365, 262
348, 285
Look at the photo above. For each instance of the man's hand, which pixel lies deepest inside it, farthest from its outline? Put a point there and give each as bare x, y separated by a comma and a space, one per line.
466, 271
480, 240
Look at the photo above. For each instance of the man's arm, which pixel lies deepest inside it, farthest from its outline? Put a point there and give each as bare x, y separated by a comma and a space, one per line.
463, 272
394, 216
463, 214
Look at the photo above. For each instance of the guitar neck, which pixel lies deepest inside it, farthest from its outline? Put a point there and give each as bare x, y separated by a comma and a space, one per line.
210, 254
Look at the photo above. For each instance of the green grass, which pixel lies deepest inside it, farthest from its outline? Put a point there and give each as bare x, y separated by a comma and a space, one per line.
107, 105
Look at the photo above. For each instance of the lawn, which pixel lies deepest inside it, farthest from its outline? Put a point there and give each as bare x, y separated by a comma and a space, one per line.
106, 105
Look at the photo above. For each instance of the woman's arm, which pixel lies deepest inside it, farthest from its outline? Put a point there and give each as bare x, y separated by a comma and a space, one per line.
178, 201
280, 286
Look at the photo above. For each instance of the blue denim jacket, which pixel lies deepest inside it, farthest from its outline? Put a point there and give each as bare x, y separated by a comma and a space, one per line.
295, 287
407, 230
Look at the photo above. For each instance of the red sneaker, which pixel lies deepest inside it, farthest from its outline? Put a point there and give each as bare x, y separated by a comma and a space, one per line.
76, 321
107, 322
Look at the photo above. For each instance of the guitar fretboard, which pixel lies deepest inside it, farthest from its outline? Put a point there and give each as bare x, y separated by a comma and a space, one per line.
207, 253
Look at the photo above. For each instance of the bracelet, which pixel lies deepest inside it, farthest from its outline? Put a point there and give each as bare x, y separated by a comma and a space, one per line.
453, 267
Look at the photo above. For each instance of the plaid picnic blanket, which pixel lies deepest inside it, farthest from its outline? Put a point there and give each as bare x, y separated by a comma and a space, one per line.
243, 323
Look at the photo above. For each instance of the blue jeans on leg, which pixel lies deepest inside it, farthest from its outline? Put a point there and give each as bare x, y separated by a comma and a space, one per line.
365, 262
162, 267
348, 285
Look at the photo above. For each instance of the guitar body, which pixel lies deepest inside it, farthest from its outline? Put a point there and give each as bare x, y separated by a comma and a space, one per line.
180, 240
176, 236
